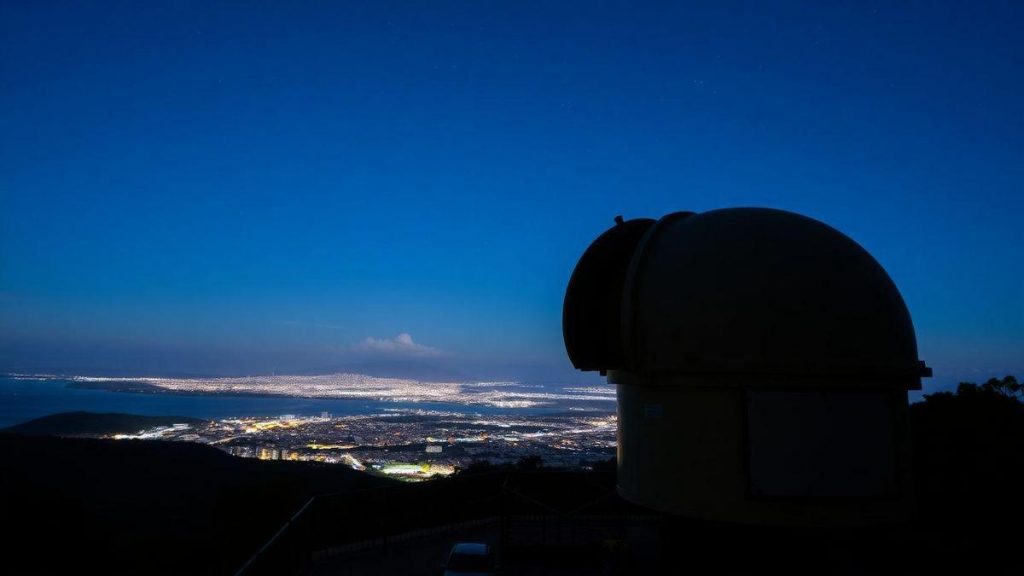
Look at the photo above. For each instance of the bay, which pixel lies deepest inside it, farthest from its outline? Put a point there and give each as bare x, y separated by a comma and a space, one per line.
24, 399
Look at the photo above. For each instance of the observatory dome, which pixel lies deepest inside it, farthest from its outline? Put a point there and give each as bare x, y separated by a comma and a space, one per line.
744, 291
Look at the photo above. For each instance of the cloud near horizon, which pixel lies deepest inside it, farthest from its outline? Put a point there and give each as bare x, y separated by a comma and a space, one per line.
401, 345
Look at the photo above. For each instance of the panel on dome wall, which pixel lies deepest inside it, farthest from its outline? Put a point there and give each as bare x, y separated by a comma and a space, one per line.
820, 444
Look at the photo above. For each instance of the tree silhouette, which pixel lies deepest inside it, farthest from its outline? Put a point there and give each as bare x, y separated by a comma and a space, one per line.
968, 467
969, 445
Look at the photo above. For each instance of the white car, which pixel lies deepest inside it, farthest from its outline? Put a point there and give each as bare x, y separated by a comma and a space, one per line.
470, 559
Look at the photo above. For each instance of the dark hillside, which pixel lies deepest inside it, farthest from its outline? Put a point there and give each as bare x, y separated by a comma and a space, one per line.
103, 506
93, 423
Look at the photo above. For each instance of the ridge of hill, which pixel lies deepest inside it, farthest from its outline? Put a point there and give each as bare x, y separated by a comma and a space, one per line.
94, 423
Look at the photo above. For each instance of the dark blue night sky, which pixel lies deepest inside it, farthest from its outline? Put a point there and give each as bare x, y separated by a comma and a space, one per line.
237, 187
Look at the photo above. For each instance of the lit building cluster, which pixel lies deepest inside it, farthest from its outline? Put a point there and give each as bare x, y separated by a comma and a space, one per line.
408, 444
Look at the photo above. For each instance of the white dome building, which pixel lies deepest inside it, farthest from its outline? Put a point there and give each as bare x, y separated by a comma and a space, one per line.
762, 361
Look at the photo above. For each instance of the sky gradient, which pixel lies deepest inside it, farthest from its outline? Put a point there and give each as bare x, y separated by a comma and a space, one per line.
233, 188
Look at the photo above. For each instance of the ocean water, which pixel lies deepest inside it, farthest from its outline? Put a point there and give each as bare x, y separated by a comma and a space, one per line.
22, 400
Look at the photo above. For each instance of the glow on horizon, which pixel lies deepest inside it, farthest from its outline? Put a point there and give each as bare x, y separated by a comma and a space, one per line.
501, 394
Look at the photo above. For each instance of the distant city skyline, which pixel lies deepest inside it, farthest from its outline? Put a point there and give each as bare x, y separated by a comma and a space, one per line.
214, 189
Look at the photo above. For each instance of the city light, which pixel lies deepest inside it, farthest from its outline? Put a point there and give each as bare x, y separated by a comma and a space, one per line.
431, 444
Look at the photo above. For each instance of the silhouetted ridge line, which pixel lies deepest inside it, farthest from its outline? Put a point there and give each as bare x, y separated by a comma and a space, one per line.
94, 423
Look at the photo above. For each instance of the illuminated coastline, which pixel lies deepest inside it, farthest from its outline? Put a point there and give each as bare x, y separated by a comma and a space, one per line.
360, 386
